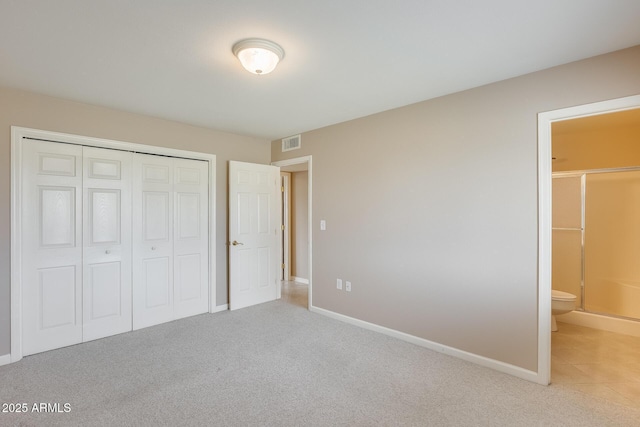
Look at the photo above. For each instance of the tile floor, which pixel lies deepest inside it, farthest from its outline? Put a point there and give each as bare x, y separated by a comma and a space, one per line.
295, 293
600, 363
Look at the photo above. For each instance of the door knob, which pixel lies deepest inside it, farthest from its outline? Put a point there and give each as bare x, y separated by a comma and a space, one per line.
236, 243
153, 248
107, 252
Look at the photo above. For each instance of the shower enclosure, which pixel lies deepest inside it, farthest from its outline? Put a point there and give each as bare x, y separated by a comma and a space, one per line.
596, 240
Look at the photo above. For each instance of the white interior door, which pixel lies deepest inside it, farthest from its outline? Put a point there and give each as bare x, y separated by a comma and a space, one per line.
152, 240
107, 242
254, 233
51, 246
191, 238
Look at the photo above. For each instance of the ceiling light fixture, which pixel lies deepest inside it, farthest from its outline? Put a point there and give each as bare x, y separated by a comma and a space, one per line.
258, 56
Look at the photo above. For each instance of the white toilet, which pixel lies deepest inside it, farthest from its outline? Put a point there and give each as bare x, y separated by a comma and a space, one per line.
561, 303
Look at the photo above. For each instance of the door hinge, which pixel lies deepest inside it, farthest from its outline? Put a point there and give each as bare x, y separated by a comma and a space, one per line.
282, 227
282, 189
283, 266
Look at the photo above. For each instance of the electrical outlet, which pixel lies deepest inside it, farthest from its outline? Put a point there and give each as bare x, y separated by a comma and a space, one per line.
347, 286
339, 284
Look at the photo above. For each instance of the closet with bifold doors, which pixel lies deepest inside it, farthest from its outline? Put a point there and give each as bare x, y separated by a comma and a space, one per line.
111, 241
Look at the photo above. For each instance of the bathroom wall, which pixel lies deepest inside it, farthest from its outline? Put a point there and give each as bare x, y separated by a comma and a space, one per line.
597, 142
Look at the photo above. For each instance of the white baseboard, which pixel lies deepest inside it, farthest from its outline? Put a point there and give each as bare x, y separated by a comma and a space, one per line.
604, 323
460, 354
219, 308
5, 359
300, 280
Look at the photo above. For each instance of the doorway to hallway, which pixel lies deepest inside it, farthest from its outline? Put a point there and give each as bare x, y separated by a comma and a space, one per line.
297, 233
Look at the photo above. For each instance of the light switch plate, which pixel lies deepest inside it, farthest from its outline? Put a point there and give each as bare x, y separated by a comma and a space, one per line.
323, 224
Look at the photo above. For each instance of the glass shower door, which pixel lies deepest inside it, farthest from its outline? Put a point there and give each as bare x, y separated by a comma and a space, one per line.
567, 235
612, 244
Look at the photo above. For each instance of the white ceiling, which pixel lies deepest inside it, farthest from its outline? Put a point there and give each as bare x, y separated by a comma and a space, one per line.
343, 58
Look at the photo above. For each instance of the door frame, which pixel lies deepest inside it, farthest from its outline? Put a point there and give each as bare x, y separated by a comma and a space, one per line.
17, 135
545, 120
300, 161
285, 178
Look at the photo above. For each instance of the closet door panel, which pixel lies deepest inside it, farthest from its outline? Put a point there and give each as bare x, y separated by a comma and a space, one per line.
51, 246
103, 292
155, 275
107, 243
153, 214
57, 216
191, 244
105, 216
189, 275
57, 297
156, 211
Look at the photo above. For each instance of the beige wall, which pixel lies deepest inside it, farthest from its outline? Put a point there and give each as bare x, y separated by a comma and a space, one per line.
597, 142
26, 109
299, 225
431, 209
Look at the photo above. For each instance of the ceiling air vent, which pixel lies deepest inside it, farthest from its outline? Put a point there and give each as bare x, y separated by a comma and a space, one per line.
291, 143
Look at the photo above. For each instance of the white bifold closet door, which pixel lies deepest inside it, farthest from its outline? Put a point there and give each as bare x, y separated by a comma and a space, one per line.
52, 246
106, 284
76, 245
170, 240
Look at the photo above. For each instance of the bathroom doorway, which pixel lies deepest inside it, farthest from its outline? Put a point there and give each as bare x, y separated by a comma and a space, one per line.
549, 124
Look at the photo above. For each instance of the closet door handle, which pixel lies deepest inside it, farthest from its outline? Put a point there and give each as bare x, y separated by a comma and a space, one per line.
236, 243
107, 252
153, 248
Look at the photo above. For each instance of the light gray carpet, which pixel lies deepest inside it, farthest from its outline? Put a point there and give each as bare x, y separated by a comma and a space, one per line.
278, 364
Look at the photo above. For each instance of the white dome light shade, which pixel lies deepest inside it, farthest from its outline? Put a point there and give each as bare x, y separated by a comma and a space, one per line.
258, 56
